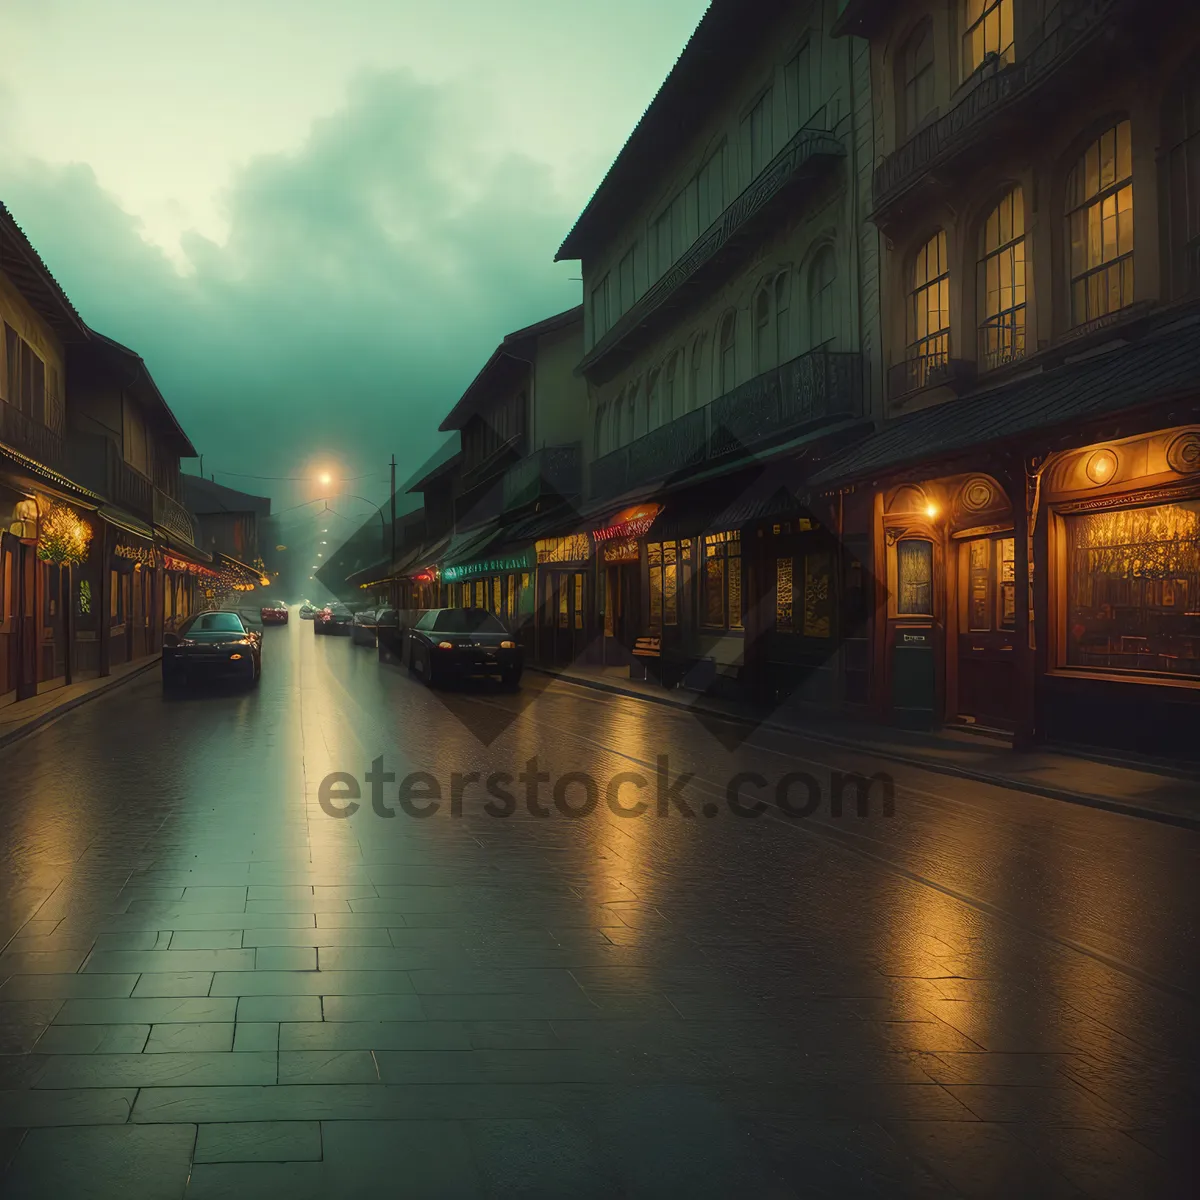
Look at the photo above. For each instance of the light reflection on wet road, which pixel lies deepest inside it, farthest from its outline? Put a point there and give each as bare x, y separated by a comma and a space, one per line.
209, 980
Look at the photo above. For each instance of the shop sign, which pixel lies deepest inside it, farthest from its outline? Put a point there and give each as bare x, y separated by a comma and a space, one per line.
499, 565
141, 555
621, 550
575, 547
632, 522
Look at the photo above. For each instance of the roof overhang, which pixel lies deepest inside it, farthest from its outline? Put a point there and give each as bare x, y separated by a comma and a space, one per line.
24, 266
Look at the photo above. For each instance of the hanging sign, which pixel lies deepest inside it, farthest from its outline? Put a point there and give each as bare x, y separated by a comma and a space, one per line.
621, 550
629, 523
499, 565
142, 556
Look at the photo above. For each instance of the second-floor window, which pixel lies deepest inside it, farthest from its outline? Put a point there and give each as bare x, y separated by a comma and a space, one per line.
710, 190
1181, 181
917, 94
1002, 282
600, 313
987, 33
783, 317
672, 406
727, 354
798, 89
626, 294
764, 353
1099, 200
756, 131
654, 400
822, 280
699, 386
929, 310
25, 377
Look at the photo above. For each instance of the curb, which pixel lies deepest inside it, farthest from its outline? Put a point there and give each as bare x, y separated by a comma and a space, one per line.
53, 714
1163, 817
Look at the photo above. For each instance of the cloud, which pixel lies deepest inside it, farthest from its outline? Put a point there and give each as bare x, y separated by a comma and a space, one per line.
364, 279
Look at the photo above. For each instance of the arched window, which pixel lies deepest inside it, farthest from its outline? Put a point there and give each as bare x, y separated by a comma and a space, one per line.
916, 77
1001, 282
614, 421
727, 354
822, 298
987, 34
1181, 182
928, 311
654, 400
629, 415
764, 356
601, 431
1099, 202
672, 400
699, 384
783, 317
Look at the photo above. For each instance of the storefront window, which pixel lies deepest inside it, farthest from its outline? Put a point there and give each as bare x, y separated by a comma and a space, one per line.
480, 599
914, 574
783, 595
723, 580
1133, 590
497, 602
663, 559
563, 602
579, 601
818, 604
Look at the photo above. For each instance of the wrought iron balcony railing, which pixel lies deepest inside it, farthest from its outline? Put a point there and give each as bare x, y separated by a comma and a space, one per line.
1069, 27
22, 432
548, 472
170, 515
815, 389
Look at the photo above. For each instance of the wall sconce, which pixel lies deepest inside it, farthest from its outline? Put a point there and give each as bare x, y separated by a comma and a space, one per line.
931, 510
1101, 466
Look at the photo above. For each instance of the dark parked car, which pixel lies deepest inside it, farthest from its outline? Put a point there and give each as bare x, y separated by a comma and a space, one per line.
274, 614
463, 643
211, 645
333, 618
363, 632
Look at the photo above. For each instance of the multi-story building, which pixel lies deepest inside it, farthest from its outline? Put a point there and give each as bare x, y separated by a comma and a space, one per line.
1032, 497
97, 552
732, 340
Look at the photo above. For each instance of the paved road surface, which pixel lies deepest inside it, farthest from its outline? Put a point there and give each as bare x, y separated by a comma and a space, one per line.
211, 987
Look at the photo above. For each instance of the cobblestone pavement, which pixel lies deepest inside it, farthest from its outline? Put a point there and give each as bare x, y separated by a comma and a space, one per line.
210, 987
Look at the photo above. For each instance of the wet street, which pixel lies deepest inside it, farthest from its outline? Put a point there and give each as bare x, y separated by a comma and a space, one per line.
220, 978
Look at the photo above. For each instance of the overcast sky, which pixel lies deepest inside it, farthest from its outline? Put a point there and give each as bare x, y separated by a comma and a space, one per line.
315, 221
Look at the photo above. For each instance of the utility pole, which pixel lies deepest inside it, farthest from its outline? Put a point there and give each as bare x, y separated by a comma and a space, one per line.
392, 560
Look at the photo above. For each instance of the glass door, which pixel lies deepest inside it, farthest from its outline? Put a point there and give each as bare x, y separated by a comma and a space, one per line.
986, 630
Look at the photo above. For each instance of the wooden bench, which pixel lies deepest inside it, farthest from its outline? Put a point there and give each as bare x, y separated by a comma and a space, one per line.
648, 647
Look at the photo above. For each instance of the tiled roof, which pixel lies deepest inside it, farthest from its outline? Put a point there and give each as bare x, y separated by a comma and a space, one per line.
1162, 365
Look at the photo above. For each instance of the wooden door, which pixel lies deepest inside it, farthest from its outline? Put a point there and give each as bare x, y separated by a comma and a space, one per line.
987, 631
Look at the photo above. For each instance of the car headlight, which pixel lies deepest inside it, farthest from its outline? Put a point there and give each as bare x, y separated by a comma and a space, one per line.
508, 645
445, 645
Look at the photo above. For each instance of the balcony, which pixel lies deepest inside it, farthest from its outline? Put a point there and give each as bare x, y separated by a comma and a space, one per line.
23, 433
994, 100
925, 371
551, 472
737, 231
816, 389
170, 515
96, 462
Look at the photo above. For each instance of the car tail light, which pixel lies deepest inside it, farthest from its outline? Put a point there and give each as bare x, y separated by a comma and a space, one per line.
445, 645
508, 645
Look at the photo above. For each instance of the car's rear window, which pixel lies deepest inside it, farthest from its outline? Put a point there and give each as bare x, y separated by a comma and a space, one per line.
215, 623
466, 620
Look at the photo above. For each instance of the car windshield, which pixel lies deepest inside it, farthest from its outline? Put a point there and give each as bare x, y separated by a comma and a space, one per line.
465, 620
219, 622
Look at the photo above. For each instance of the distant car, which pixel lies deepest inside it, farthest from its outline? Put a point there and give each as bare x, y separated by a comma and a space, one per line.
274, 614
333, 618
211, 645
365, 627
462, 643
307, 611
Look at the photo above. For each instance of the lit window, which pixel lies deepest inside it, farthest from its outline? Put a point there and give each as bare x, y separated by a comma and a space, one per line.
918, 78
1002, 282
728, 351
928, 311
914, 573
783, 594
1099, 200
722, 581
822, 281
1181, 182
1133, 590
987, 33
663, 559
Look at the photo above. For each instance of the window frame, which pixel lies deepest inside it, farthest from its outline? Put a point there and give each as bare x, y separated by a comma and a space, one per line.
1004, 52
985, 321
728, 322
914, 75
919, 350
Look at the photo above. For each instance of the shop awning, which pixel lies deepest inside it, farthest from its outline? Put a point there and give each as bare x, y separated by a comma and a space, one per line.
469, 545
125, 521
773, 493
1162, 366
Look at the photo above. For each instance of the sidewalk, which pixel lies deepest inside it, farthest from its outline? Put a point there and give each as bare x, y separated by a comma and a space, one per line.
1167, 793
24, 716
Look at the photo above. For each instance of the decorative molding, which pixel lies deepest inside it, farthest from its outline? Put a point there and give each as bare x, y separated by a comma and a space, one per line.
1183, 453
1155, 495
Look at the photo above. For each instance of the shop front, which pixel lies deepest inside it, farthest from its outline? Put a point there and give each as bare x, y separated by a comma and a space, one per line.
504, 583
564, 622
1119, 549
622, 562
